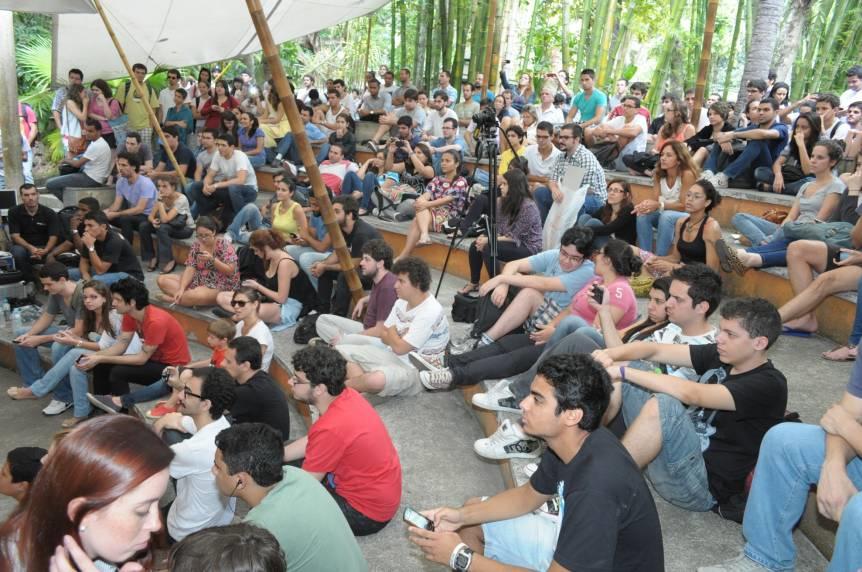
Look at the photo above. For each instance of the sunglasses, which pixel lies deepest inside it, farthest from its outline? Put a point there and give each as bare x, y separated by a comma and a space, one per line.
238, 303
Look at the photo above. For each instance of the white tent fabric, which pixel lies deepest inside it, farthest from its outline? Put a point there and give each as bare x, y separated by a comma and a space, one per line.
48, 6
175, 33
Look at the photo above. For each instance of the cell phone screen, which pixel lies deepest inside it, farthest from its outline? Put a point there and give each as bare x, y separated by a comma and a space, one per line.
417, 520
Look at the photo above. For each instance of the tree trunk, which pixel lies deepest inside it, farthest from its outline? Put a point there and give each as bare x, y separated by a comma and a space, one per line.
368, 44
596, 40
705, 57
9, 105
497, 36
764, 33
421, 44
489, 46
403, 18
433, 52
731, 56
461, 42
790, 40
443, 32
583, 36
526, 62
604, 59
477, 40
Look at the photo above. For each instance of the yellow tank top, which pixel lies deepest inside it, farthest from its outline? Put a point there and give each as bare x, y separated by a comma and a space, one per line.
284, 221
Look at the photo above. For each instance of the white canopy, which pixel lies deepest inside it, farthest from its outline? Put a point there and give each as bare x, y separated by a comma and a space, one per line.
175, 33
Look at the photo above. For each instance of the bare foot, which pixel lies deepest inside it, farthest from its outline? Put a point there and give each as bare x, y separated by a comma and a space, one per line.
807, 323
424, 240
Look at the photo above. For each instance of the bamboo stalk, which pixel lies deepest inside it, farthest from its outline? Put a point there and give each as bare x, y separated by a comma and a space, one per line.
489, 46
564, 35
402, 13
740, 9
596, 46
140, 89
604, 53
826, 69
584, 35
705, 57
392, 29
300, 139
368, 44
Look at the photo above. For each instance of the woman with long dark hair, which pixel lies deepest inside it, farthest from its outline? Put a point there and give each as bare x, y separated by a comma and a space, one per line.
519, 228
103, 107
220, 101
250, 139
792, 168
274, 122
98, 494
230, 124
615, 219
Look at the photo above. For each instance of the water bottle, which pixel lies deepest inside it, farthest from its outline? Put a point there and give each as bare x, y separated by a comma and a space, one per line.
5, 310
17, 321
3, 313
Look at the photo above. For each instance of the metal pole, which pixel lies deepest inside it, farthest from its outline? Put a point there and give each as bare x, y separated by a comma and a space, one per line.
300, 139
9, 123
143, 94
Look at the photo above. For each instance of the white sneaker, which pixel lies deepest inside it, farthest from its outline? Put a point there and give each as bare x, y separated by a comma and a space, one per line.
498, 398
720, 181
739, 564
530, 469
508, 442
436, 379
708, 175
56, 407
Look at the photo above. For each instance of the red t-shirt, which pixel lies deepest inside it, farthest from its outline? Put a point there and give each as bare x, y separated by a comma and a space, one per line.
217, 357
161, 329
351, 442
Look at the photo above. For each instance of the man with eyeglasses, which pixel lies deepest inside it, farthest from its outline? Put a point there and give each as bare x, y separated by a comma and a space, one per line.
206, 395
166, 96
575, 155
541, 158
628, 131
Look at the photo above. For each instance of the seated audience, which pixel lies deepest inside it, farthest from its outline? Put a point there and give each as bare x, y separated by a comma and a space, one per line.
283, 214
164, 344
81, 506
674, 127
170, 219
135, 196
792, 168
283, 500
211, 267
258, 399
104, 107
609, 515
541, 158
286, 148
628, 131
179, 115
89, 169
738, 398
34, 230
815, 202
529, 121
374, 104
184, 156
590, 104
827, 107
234, 548
250, 140
335, 168
273, 121
71, 231
440, 111
794, 458
512, 149
375, 266
220, 101
519, 229
700, 143
466, 109
136, 146
206, 395
444, 198
313, 242
614, 220
764, 142
348, 448
416, 329
246, 304
451, 141
19, 471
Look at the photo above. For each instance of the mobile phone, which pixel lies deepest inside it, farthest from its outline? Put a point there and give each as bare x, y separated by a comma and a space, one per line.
598, 293
80, 357
417, 520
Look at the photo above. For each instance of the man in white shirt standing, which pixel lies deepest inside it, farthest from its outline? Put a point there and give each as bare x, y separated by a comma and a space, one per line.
207, 393
92, 167
166, 96
853, 92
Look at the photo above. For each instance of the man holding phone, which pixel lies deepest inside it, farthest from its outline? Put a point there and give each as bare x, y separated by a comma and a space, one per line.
606, 513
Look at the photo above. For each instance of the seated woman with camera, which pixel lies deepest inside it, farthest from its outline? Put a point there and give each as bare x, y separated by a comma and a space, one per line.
519, 228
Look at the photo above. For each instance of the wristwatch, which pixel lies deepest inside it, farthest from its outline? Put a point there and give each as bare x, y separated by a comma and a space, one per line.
91, 248
463, 557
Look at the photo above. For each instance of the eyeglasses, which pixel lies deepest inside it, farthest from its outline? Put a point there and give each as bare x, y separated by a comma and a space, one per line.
188, 392
566, 137
238, 303
205, 236
297, 381
571, 257
629, 107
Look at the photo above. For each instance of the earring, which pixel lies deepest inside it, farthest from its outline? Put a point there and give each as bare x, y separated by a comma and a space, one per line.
82, 529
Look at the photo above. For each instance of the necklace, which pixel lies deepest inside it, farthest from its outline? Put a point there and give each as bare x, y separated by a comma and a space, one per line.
690, 225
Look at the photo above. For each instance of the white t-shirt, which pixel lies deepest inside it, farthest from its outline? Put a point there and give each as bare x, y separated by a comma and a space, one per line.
538, 166
106, 340
424, 327
166, 101
98, 165
263, 335
199, 504
672, 334
434, 121
849, 97
639, 142
838, 131
226, 169
554, 115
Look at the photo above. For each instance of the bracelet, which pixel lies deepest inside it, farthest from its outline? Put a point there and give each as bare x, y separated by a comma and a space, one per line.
623, 373
78, 345
455, 555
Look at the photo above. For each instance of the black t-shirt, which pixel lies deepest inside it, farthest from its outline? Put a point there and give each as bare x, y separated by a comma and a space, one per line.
760, 398
35, 229
118, 252
261, 400
183, 155
609, 519
362, 233
846, 211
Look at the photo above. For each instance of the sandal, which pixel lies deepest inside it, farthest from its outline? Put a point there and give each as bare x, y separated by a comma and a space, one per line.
151, 267
728, 260
468, 288
840, 353
169, 267
72, 421
425, 242
16, 393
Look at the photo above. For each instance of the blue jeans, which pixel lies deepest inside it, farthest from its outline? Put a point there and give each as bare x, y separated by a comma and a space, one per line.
790, 460
30, 365
773, 253
592, 204
756, 154
352, 182
107, 278
56, 185
757, 230
306, 256
146, 393
666, 224
258, 160
288, 150
765, 175
856, 331
678, 473
65, 370
250, 216
233, 197
544, 200
566, 326
323, 154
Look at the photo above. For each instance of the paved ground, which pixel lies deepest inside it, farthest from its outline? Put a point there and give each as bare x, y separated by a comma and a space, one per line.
434, 435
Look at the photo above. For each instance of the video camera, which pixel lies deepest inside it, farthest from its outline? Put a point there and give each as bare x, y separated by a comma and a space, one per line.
485, 120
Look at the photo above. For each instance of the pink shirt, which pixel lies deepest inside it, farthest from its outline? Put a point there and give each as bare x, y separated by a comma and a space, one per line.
620, 294
112, 110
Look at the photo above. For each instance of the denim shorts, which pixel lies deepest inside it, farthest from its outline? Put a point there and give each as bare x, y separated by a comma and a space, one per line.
678, 473
528, 541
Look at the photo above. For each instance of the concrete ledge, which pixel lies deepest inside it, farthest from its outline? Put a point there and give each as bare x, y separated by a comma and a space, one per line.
105, 195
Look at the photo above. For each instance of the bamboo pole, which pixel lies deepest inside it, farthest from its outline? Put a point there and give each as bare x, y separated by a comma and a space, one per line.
144, 95
604, 59
705, 56
14, 167
300, 139
367, 45
490, 81
731, 57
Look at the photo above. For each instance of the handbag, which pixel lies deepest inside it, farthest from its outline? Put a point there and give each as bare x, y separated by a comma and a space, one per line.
774, 216
606, 153
179, 222
76, 145
641, 161
465, 308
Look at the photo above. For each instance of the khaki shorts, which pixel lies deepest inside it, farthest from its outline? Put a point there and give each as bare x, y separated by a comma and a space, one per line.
401, 378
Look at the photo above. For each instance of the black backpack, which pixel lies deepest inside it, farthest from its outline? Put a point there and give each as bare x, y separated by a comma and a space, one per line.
306, 329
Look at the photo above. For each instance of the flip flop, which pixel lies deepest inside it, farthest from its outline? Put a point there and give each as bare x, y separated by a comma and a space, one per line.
847, 357
468, 289
785, 331
14, 393
169, 267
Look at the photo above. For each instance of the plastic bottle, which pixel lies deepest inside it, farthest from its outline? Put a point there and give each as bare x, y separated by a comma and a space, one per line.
17, 322
3, 313
6, 310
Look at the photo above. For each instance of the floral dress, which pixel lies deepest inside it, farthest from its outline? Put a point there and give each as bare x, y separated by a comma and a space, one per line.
206, 273
439, 188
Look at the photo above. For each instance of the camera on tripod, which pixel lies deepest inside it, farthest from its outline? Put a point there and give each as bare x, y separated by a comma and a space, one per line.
485, 120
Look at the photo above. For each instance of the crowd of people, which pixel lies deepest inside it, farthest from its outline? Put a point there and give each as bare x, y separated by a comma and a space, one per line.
608, 400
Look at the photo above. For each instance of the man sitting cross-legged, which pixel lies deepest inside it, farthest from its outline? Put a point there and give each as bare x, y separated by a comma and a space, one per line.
206, 395
793, 458
547, 282
607, 518
286, 501
348, 447
375, 264
416, 327
698, 440
694, 294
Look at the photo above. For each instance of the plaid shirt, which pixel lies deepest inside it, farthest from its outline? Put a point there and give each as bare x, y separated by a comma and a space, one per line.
594, 175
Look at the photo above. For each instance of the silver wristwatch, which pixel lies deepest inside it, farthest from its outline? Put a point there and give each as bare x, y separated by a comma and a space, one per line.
463, 559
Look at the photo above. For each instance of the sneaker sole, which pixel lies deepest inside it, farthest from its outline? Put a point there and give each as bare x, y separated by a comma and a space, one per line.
517, 455
420, 363
99, 405
493, 406
432, 388
53, 413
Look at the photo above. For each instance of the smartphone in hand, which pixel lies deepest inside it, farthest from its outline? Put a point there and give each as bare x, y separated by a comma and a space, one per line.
414, 518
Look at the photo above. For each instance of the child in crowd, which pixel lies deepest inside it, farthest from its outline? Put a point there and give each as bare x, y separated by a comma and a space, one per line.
21, 467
